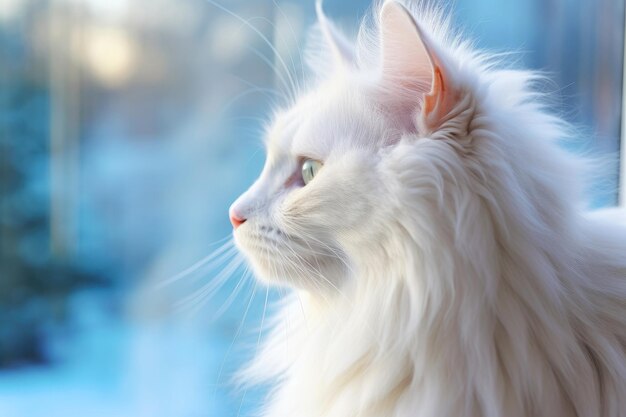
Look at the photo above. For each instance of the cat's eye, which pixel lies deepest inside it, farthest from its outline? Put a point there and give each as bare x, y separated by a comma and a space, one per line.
310, 167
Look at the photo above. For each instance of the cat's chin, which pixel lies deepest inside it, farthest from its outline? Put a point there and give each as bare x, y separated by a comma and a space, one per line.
278, 274
268, 273
275, 280
289, 265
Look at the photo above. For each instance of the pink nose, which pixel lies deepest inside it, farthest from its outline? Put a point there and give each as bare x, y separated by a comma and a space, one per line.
236, 219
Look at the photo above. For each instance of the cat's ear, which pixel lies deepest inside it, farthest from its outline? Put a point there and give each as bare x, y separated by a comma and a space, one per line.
413, 68
341, 49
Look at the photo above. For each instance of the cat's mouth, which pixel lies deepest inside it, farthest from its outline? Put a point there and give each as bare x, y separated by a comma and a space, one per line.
269, 250
261, 238
280, 257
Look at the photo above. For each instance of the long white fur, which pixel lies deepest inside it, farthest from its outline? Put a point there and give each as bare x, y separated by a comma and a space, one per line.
447, 273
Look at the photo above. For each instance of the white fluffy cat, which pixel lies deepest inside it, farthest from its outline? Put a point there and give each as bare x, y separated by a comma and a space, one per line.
417, 201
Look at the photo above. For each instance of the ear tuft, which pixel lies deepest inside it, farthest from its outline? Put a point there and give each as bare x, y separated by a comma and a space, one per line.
342, 50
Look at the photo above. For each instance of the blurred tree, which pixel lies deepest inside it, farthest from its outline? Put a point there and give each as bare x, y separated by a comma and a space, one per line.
34, 285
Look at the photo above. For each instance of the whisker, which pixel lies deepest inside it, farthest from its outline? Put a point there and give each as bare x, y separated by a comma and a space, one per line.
273, 26
263, 38
270, 90
231, 297
258, 343
210, 260
294, 36
270, 64
208, 289
293, 231
237, 333
243, 94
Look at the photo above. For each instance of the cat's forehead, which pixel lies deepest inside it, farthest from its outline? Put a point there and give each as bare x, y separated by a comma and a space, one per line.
330, 118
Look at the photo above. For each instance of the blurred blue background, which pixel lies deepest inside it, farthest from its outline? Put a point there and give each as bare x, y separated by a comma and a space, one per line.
128, 127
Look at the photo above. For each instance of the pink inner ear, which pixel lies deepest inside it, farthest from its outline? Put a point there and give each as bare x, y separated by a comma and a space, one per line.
433, 99
441, 100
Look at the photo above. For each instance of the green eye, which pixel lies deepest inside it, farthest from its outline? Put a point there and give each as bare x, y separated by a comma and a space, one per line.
310, 167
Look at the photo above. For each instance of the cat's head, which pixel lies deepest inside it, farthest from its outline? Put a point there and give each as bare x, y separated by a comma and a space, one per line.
337, 178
